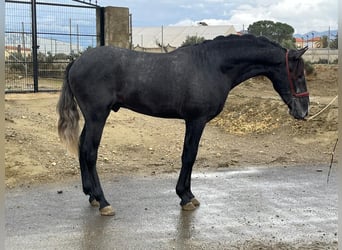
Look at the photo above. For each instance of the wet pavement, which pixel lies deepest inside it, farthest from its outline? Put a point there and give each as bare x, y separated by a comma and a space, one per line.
241, 208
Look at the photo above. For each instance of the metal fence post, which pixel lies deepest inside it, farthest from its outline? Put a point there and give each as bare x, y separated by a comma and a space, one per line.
101, 26
34, 45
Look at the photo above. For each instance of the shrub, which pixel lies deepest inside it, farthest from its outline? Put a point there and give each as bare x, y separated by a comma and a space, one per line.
322, 61
309, 69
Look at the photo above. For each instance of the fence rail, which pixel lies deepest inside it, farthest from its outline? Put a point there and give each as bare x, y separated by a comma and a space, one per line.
39, 46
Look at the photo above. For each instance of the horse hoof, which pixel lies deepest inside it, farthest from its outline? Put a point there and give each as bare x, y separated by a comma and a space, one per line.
195, 202
107, 211
189, 206
95, 203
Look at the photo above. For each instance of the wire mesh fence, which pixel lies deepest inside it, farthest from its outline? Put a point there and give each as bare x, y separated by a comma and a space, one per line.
64, 30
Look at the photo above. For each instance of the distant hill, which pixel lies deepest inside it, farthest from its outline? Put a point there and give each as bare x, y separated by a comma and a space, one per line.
333, 34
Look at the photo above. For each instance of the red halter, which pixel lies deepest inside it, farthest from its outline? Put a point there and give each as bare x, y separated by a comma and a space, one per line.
293, 91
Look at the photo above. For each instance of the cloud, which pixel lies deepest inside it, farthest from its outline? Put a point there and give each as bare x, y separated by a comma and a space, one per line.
303, 16
189, 22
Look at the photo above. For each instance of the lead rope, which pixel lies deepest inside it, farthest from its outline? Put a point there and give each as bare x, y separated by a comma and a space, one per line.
321, 111
333, 152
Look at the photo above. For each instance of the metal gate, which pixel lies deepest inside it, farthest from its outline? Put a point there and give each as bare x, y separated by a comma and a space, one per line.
41, 38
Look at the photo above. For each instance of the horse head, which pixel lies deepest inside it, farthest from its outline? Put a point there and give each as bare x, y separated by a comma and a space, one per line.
290, 83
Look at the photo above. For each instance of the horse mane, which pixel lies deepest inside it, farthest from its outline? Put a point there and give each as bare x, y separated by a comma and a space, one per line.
258, 40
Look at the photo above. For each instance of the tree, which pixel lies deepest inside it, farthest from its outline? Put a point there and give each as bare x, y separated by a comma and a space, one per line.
324, 41
61, 56
334, 43
279, 32
191, 40
289, 44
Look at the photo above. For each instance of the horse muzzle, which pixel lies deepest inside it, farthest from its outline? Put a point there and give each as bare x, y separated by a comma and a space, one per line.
299, 107
299, 116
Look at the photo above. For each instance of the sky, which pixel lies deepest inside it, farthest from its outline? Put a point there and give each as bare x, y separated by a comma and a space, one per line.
302, 15
56, 22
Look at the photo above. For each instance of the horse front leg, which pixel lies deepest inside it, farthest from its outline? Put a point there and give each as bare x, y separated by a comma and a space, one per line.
89, 143
193, 133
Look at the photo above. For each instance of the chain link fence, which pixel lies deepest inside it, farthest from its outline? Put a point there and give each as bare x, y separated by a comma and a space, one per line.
40, 40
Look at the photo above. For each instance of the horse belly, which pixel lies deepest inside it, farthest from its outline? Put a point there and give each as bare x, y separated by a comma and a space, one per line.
154, 104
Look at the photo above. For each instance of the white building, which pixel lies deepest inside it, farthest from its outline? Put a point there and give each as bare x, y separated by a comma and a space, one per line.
153, 38
46, 45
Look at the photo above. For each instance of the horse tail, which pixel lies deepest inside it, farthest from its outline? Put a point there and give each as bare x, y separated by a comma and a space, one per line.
68, 116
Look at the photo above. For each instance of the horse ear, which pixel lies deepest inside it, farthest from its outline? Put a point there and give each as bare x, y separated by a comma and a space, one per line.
303, 50
296, 54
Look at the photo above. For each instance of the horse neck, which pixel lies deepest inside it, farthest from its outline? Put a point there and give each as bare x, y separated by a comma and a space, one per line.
244, 63
247, 71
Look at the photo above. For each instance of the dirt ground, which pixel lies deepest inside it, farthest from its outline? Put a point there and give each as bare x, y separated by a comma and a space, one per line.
254, 129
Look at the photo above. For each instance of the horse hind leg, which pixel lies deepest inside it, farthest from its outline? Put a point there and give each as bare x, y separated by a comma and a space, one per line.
89, 143
85, 175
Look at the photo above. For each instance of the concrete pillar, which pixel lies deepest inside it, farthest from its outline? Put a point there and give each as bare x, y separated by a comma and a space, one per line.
115, 25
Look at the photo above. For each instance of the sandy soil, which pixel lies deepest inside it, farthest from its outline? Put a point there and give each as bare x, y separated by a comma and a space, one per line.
254, 129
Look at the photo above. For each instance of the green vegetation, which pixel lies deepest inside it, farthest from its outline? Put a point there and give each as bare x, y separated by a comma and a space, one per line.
281, 33
334, 43
191, 40
50, 66
309, 68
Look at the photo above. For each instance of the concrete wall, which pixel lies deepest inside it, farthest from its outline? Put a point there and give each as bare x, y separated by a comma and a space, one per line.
115, 26
314, 55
